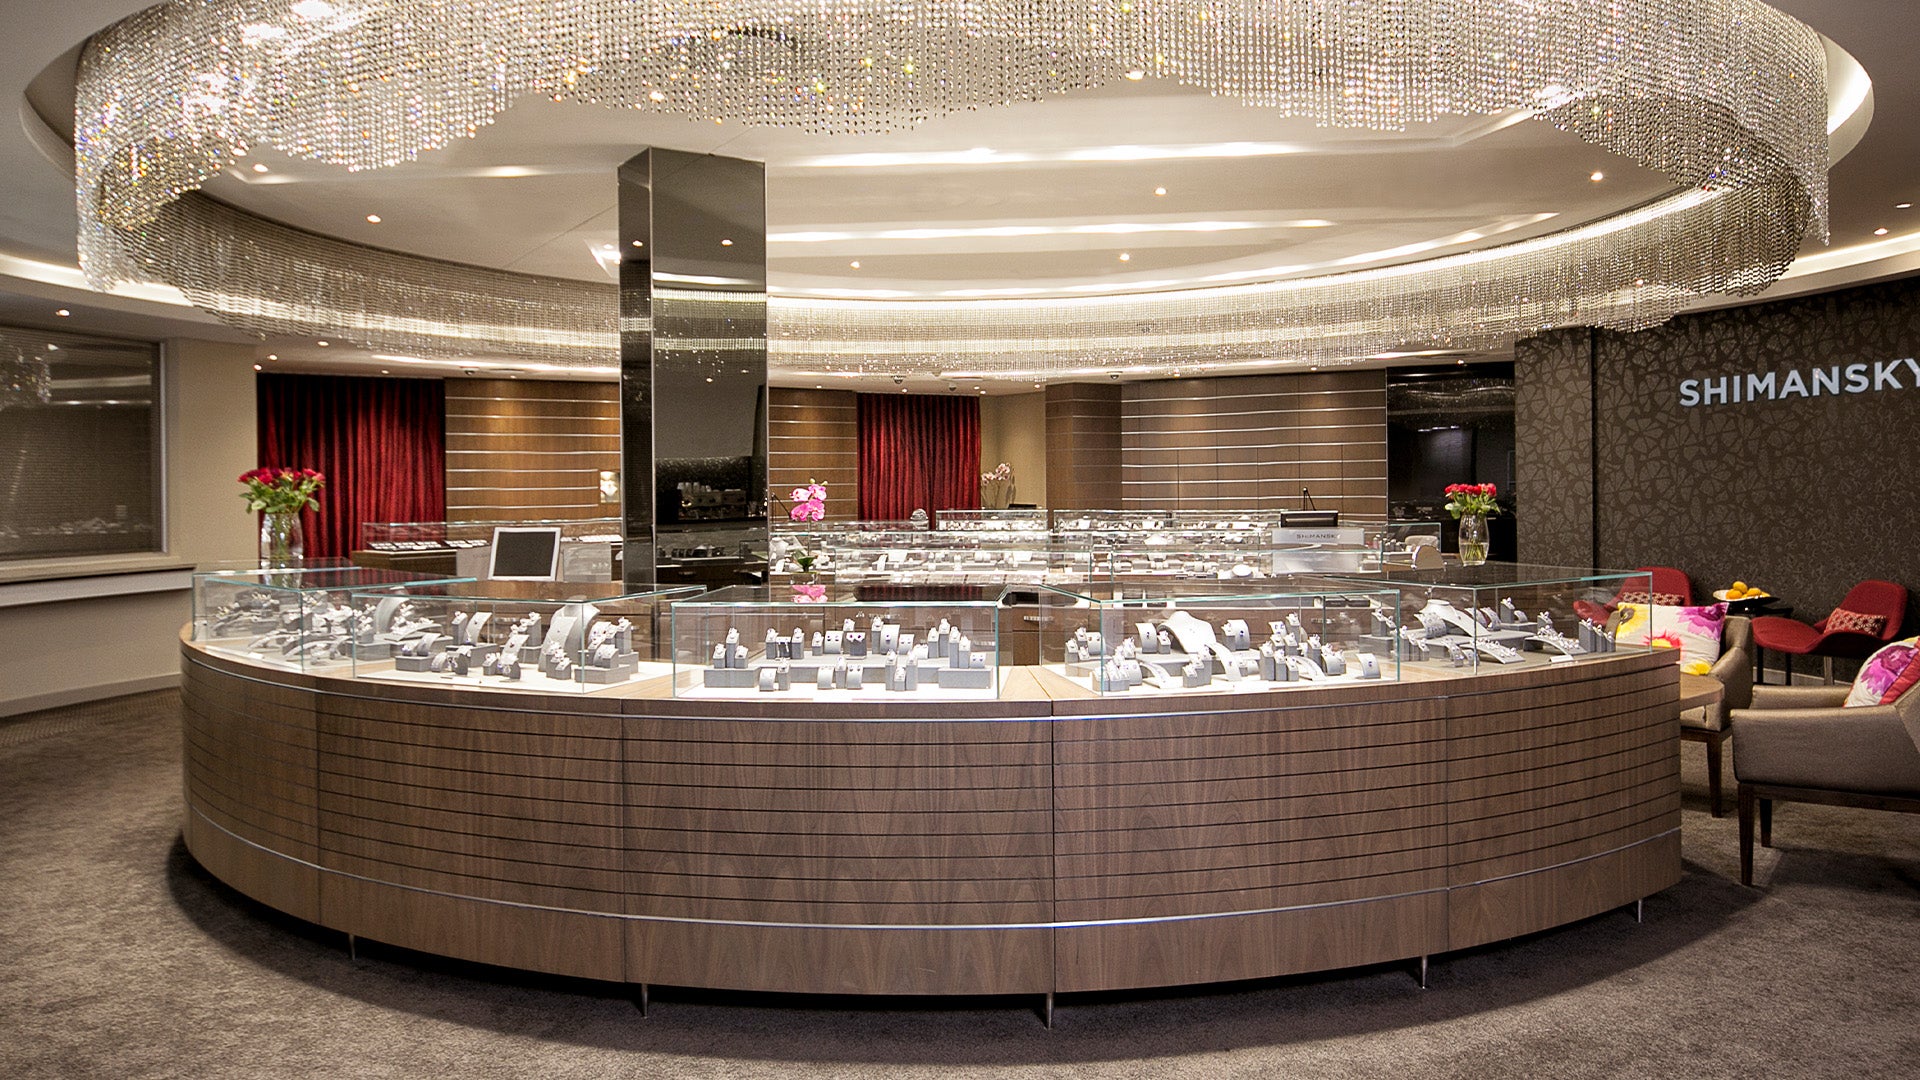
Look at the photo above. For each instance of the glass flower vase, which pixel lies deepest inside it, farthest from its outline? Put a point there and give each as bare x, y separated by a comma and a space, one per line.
283, 540
1473, 539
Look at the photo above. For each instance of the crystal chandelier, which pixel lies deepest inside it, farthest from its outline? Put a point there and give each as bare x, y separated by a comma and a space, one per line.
1724, 97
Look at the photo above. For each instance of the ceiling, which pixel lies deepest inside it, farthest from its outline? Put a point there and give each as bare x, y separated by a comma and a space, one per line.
1060, 196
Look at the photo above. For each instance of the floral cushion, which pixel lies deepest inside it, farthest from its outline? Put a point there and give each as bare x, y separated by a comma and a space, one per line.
1878, 676
1694, 632
1842, 619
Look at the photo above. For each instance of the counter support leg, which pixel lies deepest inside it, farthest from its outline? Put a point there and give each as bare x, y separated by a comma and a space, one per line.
1046, 1010
640, 999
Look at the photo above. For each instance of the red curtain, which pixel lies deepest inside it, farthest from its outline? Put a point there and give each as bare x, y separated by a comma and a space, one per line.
380, 442
918, 452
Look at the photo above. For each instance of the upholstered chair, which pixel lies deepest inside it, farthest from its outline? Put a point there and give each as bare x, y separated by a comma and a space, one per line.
1710, 724
1868, 618
1797, 744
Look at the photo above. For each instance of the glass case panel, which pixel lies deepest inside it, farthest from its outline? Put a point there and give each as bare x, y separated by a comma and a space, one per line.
541, 636
1505, 614
1176, 641
306, 618
744, 642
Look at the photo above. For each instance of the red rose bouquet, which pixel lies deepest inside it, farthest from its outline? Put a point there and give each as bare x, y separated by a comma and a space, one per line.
1472, 499
281, 491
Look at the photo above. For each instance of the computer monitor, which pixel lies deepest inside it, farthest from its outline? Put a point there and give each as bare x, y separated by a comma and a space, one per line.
525, 553
1310, 519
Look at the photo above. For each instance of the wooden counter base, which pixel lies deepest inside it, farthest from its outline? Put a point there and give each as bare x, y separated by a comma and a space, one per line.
1027, 845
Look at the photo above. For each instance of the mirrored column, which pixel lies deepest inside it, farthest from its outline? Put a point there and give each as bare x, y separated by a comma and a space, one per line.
693, 371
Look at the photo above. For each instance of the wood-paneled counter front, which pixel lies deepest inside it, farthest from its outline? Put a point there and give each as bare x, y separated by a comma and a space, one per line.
1048, 841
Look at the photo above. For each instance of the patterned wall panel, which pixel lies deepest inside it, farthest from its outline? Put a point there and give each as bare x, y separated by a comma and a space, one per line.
1553, 436
1083, 446
529, 449
1803, 494
1256, 441
815, 434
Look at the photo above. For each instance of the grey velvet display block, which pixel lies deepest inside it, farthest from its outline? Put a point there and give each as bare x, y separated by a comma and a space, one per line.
729, 678
965, 679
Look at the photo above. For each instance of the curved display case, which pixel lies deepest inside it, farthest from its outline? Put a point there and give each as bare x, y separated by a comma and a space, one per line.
1051, 839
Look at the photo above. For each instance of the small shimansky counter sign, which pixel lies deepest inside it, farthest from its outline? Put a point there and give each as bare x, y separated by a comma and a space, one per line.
1877, 377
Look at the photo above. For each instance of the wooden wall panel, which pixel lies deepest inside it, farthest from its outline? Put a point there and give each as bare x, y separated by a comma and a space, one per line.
529, 449
1312, 812
815, 434
807, 832
1022, 845
249, 771
1084, 446
1253, 442
1564, 796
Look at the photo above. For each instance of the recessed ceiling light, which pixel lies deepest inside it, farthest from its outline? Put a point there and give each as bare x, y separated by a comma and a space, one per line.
1597, 176
637, 243
1159, 191
1126, 257
384, 371
1462, 360
709, 378
373, 219
1879, 232
322, 344
273, 356
855, 264
256, 367
257, 167
726, 243
63, 313
1903, 206
1136, 75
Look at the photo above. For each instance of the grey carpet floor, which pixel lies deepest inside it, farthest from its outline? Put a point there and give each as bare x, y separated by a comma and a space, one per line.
120, 957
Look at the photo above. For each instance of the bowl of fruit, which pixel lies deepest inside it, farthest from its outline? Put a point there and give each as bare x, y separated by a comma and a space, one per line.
1741, 593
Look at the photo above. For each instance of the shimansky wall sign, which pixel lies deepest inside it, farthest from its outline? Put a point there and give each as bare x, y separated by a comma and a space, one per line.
1877, 377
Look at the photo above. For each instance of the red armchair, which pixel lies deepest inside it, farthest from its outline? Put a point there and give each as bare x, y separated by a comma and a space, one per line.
1829, 638
1670, 586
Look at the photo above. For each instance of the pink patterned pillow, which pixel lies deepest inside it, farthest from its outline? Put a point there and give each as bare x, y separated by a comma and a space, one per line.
1842, 619
1666, 599
1879, 680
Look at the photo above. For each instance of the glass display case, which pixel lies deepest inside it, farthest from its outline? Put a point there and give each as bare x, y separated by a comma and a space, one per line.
393, 536
1174, 641
998, 557
541, 636
313, 618
746, 642
990, 521
1068, 523
1210, 554
1502, 614
1406, 545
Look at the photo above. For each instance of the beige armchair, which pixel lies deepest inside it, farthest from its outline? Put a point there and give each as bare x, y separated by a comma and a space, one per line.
1709, 724
1797, 744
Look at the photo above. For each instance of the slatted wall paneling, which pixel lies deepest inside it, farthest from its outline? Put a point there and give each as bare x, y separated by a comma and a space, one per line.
1084, 446
523, 450
814, 434
1249, 442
